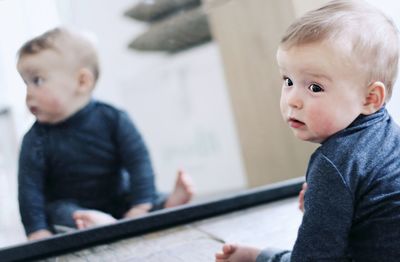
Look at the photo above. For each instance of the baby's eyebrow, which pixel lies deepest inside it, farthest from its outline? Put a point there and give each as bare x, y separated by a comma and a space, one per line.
319, 76
28, 70
31, 72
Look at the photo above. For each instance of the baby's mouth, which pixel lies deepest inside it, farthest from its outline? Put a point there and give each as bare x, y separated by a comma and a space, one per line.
294, 123
33, 109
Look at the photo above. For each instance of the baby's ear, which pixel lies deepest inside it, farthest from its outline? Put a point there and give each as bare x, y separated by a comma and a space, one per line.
375, 98
85, 80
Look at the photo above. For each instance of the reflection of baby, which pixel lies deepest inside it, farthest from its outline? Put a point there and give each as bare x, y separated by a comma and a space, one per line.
82, 163
338, 66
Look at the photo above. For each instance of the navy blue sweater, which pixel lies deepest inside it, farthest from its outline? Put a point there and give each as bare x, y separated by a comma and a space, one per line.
352, 205
82, 159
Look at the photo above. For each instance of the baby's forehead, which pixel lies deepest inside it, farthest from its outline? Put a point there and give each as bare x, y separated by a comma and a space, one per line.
318, 56
57, 40
321, 49
44, 61
44, 54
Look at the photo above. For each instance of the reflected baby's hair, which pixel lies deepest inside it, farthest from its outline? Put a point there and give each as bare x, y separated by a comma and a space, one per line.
367, 35
72, 44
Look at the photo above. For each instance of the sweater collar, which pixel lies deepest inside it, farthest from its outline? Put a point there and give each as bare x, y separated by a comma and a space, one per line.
76, 117
362, 122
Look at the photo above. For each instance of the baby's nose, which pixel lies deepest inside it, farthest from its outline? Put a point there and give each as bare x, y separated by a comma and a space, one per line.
294, 99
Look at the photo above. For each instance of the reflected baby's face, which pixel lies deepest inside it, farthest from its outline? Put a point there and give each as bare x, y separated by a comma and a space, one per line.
52, 83
322, 90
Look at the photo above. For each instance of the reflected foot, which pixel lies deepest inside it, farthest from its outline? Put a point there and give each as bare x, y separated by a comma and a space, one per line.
90, 218
39, 234
183, 191
237, 253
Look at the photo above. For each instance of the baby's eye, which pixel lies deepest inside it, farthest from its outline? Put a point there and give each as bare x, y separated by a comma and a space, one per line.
288, 82
37, 80
315, 88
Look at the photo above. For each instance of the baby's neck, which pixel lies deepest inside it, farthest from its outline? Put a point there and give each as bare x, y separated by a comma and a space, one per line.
75, 107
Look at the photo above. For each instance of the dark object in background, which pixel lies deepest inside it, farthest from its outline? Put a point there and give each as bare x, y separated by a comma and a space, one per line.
151, 10
175, 33
174, 25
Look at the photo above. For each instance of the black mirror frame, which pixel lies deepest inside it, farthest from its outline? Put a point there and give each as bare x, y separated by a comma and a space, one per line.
71, 242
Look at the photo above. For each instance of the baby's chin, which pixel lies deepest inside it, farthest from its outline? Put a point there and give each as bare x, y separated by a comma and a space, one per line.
47, 121
317, 140
310, 138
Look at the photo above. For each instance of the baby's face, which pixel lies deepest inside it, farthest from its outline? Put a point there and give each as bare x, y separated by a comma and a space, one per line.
52, 84
322, 92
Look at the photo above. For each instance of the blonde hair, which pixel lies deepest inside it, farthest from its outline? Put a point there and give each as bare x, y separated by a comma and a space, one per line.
69, 43
371, 36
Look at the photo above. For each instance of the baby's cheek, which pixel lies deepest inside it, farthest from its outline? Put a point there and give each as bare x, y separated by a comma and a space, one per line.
323, 123
56, 105
53, 106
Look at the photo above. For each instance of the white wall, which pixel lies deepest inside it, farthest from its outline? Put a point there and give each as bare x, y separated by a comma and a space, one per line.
20, 20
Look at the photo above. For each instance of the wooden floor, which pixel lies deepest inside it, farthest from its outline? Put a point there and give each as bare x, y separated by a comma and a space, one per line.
270, 225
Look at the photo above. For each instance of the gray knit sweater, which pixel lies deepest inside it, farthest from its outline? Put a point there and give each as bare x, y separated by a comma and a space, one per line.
352, 205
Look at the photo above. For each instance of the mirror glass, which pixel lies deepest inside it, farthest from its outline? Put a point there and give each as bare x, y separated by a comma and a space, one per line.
198, 78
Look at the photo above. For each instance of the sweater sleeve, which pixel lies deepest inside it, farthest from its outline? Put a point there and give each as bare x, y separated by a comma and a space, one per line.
31, 180
136, 160
273, 255
328, 203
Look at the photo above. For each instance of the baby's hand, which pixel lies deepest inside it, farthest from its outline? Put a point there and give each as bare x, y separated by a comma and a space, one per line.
237, 253
40, 234
301, 196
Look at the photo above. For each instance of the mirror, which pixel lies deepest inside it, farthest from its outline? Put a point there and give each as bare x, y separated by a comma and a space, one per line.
209, 106
186, 122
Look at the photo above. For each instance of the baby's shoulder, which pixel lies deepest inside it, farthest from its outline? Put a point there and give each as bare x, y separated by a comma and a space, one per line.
105, 107
111, 115
36, 130
106, 111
